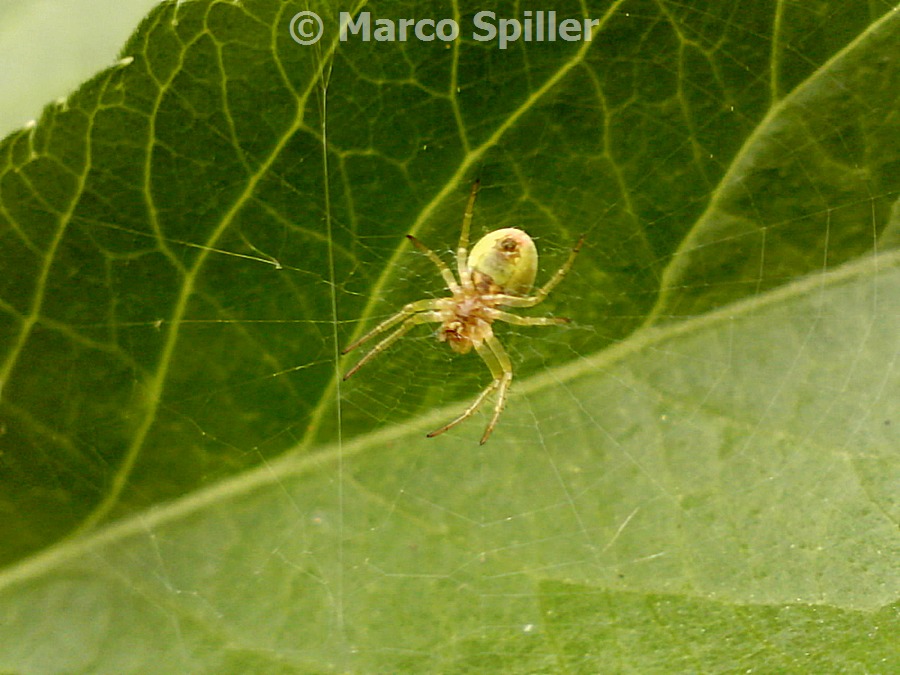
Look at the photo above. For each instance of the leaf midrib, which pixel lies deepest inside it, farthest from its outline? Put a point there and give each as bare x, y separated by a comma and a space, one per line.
295, 463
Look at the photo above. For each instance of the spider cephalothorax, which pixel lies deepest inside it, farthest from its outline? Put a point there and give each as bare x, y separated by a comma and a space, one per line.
499, 272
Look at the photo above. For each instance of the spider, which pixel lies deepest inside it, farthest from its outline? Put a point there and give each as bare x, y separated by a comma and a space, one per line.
499, 272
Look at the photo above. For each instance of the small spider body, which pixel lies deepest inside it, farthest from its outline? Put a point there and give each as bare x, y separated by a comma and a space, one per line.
499, 272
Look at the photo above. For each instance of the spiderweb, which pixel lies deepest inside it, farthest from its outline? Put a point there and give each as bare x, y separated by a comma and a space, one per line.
698, 473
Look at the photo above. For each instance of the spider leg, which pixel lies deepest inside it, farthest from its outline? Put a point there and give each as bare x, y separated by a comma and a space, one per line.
500, 315
449, 279
405, 327
411, 308
462, 249
543, 291
488, 356
505, 380
493, 354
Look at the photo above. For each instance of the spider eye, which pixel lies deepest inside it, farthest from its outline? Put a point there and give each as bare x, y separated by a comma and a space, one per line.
508, 258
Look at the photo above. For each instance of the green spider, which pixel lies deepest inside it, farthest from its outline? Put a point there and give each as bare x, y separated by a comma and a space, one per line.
499, 272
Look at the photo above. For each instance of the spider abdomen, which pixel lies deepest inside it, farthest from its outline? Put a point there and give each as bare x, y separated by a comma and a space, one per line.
506, 259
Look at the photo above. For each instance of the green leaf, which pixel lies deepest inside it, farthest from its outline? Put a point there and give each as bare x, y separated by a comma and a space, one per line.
698, 474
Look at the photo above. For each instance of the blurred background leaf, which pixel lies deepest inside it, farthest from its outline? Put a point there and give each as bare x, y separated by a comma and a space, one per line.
48, 47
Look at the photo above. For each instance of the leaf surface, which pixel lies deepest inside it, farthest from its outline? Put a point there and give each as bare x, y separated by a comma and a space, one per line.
697, 474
